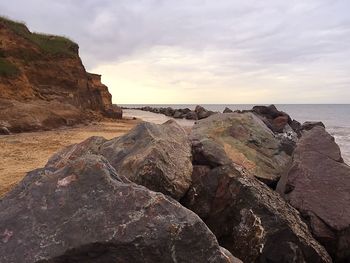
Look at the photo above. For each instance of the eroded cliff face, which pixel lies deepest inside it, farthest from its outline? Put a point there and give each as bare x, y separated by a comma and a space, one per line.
43, 83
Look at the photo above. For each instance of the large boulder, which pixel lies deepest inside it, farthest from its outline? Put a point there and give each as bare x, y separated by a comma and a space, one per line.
318, 185
155, 156
248, 219
247, 141
85, 212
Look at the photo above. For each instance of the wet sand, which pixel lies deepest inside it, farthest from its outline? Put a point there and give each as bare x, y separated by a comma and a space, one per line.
21, 153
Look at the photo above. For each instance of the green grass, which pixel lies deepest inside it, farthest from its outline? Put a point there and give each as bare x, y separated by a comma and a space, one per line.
7, 69
50, 44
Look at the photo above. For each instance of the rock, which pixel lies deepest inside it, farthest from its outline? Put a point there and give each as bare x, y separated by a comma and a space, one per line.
296, 126
270, 112
73, 152
4, 131
274, 119
250, 220
202, 113
227, 110
191, 116
247, 142
155, 156
177, 114
49, 86
185, 111
308, 125
318, 185
85, 212
279, 123
169, 112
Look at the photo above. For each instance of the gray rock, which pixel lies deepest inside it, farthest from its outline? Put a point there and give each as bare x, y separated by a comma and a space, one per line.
177, 114
191, 116
155, 156
308, 125
227, 110
248, 219
247, 141
85, 212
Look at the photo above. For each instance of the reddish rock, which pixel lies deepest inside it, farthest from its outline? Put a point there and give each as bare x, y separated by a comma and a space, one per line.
273, 118
279, 123
318, 185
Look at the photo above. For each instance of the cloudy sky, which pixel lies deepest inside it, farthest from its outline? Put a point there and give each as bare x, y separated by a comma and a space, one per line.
205, 51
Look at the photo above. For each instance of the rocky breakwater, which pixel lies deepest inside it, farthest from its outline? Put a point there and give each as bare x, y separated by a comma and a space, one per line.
43, 83
197, 114
158, 194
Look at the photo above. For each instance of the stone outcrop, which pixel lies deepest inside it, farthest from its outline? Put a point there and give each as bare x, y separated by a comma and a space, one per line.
86, 212
247, 141
155, 156
43, 83
251, 221
318, 185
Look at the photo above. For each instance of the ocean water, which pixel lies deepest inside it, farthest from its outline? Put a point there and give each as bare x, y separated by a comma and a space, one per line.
336, 117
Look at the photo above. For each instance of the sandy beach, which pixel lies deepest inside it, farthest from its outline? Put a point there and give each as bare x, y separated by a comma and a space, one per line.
21, 153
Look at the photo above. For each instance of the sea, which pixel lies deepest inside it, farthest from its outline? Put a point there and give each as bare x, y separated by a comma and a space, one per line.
336, 117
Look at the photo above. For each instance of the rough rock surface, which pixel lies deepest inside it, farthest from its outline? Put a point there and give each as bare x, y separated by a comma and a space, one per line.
156, 156
251, 221
44, 83
318, 185
247, 141
85, 212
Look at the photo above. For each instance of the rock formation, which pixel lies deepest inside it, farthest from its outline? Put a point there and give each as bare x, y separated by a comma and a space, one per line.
247, 141
96, 201
155, 156
318, 185
85, 212
43, 83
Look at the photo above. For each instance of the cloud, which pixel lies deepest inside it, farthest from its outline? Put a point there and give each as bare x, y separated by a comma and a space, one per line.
253, 51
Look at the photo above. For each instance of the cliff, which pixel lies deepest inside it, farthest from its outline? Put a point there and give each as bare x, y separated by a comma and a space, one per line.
43, 83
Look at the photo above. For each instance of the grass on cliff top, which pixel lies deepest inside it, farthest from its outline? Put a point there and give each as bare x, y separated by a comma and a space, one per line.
50, 44
7, 69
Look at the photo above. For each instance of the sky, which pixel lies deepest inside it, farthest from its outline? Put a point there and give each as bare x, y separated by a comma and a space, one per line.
205, 51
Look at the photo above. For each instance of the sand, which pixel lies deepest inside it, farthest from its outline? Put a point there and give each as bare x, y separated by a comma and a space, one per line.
21, 153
